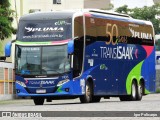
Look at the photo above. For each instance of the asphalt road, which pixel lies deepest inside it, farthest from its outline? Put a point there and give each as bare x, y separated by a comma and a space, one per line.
149, 103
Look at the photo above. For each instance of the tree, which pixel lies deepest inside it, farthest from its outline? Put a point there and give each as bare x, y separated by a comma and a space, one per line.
145, 13
6, 19
123, 9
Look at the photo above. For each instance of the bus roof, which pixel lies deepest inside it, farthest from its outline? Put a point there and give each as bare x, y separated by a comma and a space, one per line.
117, 16
95, 12
47, 15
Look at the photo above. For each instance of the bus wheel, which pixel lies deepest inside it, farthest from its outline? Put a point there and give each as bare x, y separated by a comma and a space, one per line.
133, 95
139, 92
87, 97
38, 100
96, 99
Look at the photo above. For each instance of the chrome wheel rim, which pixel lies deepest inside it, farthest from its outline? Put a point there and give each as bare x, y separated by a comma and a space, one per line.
88, 92
133, 91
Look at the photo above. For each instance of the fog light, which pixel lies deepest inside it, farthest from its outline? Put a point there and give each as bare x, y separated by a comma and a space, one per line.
67, 89
18, 91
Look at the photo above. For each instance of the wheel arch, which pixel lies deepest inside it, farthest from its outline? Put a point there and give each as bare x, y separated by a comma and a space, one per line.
135, 80
129, 84
90, 80
142, 81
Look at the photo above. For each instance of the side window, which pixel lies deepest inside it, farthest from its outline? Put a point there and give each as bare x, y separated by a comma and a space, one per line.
78, 46
101, 30
132, 33
78, 27
123, 32
91, 31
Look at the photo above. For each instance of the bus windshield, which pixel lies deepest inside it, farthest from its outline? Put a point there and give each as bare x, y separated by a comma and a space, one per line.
46, 60
44, 30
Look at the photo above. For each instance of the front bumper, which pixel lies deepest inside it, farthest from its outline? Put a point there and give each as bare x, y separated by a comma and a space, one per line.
64, 90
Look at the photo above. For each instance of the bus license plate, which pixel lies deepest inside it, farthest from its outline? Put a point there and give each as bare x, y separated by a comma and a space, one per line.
41, 91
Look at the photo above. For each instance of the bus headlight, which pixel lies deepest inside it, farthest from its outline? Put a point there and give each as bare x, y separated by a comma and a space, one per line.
62, 82
20, 83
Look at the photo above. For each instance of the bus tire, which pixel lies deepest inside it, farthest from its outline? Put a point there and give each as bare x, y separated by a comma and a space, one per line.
133, 95
139, 92
96, 99
87, 97
38, 101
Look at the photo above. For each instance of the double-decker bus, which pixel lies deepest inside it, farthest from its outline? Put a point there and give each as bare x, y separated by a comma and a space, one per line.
88, 54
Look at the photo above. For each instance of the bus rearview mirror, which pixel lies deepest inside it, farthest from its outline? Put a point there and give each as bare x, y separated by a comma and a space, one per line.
8, 49
70, 47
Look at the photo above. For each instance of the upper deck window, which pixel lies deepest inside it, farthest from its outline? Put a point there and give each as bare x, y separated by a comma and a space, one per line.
44, 30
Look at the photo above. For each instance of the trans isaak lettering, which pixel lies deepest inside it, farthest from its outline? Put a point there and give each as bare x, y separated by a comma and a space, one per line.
118, 52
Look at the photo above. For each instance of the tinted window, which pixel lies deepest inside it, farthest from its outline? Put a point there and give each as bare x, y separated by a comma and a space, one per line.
44, 30
101, 29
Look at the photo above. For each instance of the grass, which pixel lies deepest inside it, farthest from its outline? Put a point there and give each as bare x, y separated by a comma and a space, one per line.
158, 90
4, 102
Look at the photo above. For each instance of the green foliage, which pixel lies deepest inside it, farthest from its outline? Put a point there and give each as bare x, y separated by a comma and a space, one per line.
123, 9
6, 19
145, 13
158, 90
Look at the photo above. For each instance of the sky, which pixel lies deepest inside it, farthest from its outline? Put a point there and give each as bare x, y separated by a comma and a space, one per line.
132, 3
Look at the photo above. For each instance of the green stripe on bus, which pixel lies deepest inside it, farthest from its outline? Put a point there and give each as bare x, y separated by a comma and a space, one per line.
59, 89
134, 74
